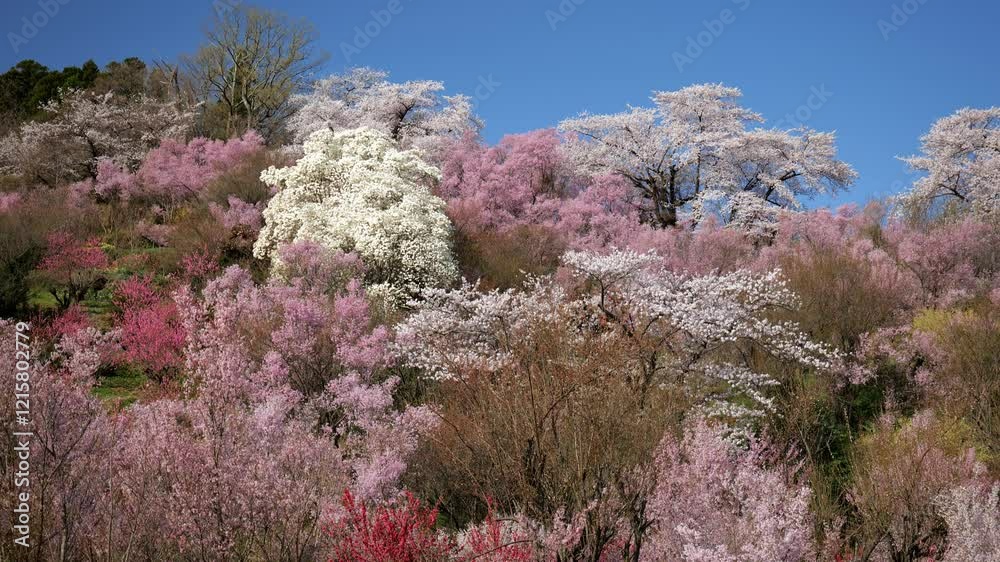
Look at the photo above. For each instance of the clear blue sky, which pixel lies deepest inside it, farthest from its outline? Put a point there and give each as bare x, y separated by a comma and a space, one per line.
607, 53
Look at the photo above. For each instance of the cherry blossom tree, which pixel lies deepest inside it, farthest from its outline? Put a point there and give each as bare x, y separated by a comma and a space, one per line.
960, 157
72, 268
314, 345
414, 113
716, 503
695, 146
972, 513
618, 328
83, 128
356, 191
172, 172
677, 319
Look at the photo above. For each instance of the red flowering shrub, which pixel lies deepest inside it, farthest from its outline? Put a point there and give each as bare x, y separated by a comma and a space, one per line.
151, 332
403, 532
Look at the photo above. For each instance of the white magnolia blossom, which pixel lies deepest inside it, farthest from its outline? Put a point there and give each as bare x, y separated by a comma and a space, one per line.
414, 114
696, 145
83, 127
355, 191
961, 159
699, 325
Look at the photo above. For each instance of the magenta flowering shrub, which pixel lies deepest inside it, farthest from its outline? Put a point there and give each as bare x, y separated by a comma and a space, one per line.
151, 334
172, 172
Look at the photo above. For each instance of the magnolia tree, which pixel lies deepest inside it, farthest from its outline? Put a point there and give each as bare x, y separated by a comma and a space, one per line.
412, 113
82, 128
356, 191
694, 152
961, 159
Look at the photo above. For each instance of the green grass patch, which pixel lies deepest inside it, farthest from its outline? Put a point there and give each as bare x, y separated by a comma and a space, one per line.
122, 385
42, 299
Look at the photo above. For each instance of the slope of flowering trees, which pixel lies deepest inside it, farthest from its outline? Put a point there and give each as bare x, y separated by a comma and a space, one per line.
621, 339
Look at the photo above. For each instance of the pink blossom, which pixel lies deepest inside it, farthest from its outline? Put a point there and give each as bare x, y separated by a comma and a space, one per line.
9, 201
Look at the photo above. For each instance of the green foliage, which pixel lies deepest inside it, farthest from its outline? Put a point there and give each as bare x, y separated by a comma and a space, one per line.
28, 85
120, 385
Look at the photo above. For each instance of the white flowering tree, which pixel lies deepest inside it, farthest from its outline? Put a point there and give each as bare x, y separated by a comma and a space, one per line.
692, 331
695, 152
82, 127
356, 191
414, 113
960, 158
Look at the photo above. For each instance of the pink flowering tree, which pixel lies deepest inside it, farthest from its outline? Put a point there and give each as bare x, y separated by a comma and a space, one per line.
150, 327
951, 261
716, 503
176, 171
72, 268
312, 340
70, 447
172, 172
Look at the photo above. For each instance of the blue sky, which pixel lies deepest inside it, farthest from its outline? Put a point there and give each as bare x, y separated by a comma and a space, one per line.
884, 83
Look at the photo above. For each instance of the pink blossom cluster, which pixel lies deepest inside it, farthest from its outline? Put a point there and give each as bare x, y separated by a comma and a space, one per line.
172, 172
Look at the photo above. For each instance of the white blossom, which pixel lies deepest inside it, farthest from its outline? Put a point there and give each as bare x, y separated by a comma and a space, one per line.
82, 127
699, 324
961, 159
355, 191
414, 114
696, 146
